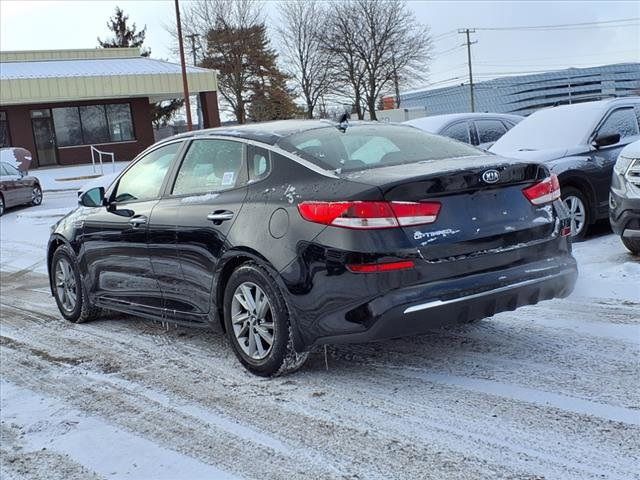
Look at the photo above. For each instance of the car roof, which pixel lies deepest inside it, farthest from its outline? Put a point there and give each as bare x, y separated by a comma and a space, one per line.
265, 132
434, 123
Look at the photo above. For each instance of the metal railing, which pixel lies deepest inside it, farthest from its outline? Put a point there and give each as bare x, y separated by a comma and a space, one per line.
100, 153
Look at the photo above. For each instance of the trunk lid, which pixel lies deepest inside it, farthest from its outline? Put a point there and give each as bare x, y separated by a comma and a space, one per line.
476, 215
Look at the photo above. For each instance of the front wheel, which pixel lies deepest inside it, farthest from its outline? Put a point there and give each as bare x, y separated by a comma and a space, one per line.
579, 216
258, 324
68, 290
1, 205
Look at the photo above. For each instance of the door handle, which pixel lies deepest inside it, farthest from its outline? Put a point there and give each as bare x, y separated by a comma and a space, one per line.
137, 221
220, 216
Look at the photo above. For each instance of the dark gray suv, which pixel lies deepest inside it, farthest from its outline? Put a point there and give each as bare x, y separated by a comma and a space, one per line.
624, 199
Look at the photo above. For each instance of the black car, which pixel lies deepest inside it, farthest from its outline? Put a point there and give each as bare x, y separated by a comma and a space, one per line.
293, 234
16, 188
580, 143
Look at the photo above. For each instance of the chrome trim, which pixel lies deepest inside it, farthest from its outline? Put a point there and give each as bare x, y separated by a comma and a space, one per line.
630, 233
439, 303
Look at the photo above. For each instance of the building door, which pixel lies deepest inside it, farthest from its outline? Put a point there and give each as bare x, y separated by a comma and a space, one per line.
44, 136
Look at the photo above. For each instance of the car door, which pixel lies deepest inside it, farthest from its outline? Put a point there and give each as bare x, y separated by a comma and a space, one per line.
624, 121
13, 188
204, 201
114, 237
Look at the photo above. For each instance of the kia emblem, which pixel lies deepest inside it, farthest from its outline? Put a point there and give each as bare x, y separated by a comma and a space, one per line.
491, 176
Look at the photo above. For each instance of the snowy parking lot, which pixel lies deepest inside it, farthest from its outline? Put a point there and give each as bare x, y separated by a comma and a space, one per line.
550, 391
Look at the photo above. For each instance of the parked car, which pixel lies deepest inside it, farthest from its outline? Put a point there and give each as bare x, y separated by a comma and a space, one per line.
580, 143
624, 200
16, 188
292, 234
479, 129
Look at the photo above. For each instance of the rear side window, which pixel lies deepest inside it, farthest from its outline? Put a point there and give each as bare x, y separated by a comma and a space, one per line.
489, 130
210, 166
363, 147
144, 179
259, 163
622, 121
458, 131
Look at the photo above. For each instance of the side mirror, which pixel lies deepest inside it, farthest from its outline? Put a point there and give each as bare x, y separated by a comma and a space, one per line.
606, 139
94, 197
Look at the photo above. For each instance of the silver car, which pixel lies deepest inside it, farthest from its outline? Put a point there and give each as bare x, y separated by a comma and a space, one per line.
624, 198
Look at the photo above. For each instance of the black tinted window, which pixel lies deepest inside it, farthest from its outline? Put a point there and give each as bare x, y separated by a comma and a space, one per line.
371, 146
143, 180
210, 166
622, 121
489, 130
458, 131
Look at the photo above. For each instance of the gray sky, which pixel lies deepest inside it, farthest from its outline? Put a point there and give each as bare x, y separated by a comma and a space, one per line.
53, 24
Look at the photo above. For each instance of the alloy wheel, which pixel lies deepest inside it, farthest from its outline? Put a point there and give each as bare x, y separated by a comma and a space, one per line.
1, 205
577, 214
36, 196
66, 287
252, 320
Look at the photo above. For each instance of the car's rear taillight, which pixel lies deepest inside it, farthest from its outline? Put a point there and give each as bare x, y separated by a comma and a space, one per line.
543, 192
369, 215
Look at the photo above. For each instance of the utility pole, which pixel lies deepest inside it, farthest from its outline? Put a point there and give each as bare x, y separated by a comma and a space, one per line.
468, 43
185, 84
193, 37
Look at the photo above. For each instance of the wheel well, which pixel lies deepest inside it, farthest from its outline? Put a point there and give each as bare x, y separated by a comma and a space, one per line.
585, 188
229, 267
53, 246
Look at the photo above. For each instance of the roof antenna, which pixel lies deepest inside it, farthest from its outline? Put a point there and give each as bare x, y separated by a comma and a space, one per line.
344, 122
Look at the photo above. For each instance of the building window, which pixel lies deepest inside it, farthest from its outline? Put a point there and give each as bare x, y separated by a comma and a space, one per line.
120, 124
68, 127
5, 141
93, 124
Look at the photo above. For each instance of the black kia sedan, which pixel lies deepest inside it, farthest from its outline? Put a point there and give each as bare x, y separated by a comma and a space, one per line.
293, 234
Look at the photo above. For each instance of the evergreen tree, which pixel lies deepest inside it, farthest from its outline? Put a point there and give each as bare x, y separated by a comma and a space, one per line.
124, 35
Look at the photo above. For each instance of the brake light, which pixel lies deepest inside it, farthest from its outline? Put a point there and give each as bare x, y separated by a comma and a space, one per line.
543, 192
369, 215
380, 267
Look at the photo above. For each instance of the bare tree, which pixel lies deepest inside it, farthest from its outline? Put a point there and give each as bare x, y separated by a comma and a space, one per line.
307, 63
381, 47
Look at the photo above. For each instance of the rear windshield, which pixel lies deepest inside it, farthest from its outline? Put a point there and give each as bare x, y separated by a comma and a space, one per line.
372, 146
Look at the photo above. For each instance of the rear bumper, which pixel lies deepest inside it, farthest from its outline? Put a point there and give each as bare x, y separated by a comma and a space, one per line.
418, 309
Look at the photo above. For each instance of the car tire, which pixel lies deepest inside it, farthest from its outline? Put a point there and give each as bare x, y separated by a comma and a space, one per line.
579, 210
632, 244
1, 205
36, 195
68, 289
250, 322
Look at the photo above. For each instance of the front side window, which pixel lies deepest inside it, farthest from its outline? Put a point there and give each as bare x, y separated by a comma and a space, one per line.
144, 179
363, 147
622, 121
489, 130
458, 131
210, 166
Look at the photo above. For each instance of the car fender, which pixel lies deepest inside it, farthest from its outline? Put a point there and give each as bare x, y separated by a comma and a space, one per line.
228, 261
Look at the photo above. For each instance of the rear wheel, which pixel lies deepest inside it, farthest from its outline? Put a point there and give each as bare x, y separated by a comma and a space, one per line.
258, 323
68, 290
1, 205
578, 206
36, 195
632, 244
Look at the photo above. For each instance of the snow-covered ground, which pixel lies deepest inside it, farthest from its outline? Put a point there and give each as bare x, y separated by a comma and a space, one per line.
551, 391
74, 177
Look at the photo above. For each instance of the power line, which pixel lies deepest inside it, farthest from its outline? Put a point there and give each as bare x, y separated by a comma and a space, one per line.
563, 25
457, 47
